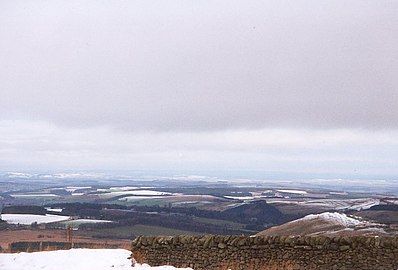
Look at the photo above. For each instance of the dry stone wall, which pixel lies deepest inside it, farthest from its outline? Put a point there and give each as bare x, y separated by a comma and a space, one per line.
213, 252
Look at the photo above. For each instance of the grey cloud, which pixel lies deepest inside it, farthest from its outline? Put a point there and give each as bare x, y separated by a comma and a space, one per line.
27, 145
200, 65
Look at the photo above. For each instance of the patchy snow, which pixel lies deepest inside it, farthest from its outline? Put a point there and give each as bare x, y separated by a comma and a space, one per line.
278, 200
85, 220
78, 175
33, 195
123, 188
189, 177
76, 259
135, 192
327, 223
145, 193
335, 218
59, 210
135, 198
332, 204
18, 175
27, 219
361, 204
338, 193
78, 222
292, 191
73, 189
392, 200
240, 197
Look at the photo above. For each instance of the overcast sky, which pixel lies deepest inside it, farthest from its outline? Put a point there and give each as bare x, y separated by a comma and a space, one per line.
289, 86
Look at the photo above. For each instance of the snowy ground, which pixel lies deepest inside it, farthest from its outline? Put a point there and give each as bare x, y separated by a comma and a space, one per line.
80, 221
58, 210
33, 195
331, 204
133, 192
76, 259
27, 219
335, 218
328, 223
292, 191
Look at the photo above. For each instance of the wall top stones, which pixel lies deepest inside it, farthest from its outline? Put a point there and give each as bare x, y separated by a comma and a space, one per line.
255, 242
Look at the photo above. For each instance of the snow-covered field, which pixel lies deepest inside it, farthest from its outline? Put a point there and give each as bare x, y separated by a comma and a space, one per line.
243, 197
73, 189
58, 210
332, 204
78, 222
124, 188
27, 219
293, 191
33, 195
76, 259
137, 197
134, 192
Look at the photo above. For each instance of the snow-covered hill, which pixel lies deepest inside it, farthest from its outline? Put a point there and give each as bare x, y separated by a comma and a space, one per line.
76, 259
327, 224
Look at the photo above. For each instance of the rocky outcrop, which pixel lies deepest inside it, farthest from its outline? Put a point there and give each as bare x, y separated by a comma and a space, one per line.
268, 252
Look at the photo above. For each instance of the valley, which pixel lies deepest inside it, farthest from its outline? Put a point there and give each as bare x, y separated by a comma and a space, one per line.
99, 210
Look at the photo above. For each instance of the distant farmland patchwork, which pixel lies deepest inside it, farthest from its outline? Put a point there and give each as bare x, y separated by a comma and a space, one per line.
167, 208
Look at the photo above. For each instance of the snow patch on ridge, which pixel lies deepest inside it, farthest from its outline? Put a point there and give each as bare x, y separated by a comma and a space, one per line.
335, 218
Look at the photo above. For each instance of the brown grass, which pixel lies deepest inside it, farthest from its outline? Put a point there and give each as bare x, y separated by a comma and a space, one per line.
30, 235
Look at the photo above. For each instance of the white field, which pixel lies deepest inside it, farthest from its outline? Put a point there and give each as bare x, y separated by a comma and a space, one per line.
260, 195
339, 204
332, 204
77, 222
27, 219
175, 198
59, 210
293, 191
338, 193
84, 220
73, 189
124, 188
134, 192
33, 195
242, 197
76, 259
135, 198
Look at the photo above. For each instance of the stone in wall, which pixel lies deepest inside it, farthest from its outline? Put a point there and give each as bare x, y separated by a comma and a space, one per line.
268, 252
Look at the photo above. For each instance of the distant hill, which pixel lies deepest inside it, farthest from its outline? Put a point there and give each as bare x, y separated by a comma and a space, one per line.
386, 207
259, 212
328, 224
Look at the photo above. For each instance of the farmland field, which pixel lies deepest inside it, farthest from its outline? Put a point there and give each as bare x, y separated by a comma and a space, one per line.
127, 232
27, 219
